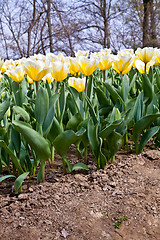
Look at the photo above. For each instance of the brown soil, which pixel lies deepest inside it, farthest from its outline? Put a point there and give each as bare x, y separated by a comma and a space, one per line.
85, 206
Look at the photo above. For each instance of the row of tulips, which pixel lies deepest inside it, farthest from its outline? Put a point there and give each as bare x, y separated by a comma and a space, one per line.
97, 103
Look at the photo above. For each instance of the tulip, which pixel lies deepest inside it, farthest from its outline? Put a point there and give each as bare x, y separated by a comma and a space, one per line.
157, 60
145, 54
74, 66
87, 65
122, 64
82, 53
60, 70
48, 78
105, 62
141, 65
77, 83
36, 70
17, 74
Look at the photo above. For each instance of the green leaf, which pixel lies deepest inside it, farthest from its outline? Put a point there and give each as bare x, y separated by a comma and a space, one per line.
15, 160
125, 88
3, 108
147, 87
70, 168
132, 82
142, 124
138, 108
90, 88
41, 105
34, 139
93, 138
64, 140
74, 122
56, 129
91, 109
113, 144
19, 181
103, 100
22, 113
115, 96
16, 140
80, 166
146, 137
47, 124
158, 78
5, 177
109, 129
62, 101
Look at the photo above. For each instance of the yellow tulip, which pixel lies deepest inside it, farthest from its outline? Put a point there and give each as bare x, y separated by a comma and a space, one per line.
48, 78
36, 70
157, 60
125, 52
29, 80
145, 54
82, 53
105, 51
60, 70
87, 65
74, 66
122, 64
105, 62
7, 65
17, 74
1, 63
141, 65
77, 83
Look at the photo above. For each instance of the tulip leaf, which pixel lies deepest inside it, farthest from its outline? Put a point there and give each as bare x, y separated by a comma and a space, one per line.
93, 138
22, 113
141, 125
158, 79
90, 88
41, 105
80, 166
47, 124
62, 101
125, 88
3, 108
109, 129
132, 82
138, 108
112, 144
19, 181
5, 177
64, 140
147, 87
15, 160
103, 100
74, 122
91, 109
146, 137
114, 95
55, 130
34, 139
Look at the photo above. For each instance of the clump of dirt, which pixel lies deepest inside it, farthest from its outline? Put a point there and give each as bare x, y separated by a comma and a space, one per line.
87, 206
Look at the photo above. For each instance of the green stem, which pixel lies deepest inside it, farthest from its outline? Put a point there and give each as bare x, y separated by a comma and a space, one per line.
52, 154
86, 84
85, 156
57, 87
64, 166
37, 86
104, 75
43, 164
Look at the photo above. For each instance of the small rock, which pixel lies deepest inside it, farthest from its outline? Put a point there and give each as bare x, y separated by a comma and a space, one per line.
23, 196
64, 233
25, 187
80, 177
112, 184
30, 189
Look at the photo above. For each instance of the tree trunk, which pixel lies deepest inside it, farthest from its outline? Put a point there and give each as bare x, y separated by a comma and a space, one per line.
153, 26
49, 25
146, 4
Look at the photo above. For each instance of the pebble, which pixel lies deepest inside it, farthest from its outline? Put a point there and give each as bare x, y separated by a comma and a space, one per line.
23, 196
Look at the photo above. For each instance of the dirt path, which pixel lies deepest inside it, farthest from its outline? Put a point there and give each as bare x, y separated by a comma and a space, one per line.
86, 206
